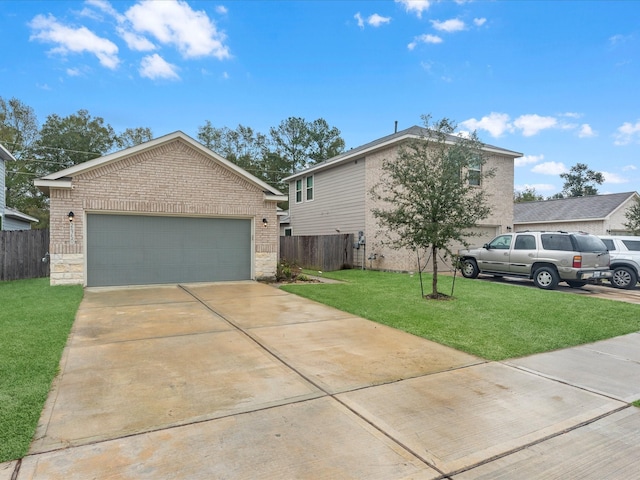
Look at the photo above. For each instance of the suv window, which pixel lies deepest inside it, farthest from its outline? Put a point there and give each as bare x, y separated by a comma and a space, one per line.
589, 243
633, 245
609, 244
556, 241
525, 242
501, 243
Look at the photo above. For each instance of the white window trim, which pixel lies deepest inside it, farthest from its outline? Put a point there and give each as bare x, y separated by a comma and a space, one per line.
301, 180
306, 188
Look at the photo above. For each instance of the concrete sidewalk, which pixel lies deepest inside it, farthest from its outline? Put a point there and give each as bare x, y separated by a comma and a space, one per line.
242, 380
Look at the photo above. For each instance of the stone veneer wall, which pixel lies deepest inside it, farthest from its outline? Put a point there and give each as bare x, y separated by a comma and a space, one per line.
171, 179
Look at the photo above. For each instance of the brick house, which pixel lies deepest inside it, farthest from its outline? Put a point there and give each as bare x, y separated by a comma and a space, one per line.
166, 211
333, 196
597, 214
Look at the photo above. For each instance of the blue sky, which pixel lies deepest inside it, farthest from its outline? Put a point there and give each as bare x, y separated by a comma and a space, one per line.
558, 81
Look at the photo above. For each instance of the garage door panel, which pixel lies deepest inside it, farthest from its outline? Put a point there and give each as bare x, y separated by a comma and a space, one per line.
136, 250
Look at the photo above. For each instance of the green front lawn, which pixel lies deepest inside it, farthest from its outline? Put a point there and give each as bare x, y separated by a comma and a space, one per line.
35, 320
491, 320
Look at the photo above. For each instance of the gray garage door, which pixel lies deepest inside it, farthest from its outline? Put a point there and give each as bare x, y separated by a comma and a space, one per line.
140, 250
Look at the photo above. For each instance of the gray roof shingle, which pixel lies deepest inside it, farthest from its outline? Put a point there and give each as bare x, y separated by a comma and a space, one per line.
414, 131
575, 208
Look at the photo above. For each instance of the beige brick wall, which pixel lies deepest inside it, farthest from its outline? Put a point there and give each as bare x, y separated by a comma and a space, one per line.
500, 189
172, 179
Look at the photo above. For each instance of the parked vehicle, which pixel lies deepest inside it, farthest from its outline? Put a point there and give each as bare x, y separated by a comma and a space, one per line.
545, 257
625, 260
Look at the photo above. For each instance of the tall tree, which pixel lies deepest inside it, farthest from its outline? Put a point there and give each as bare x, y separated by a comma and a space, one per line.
291, 140
304, 143
63, 142
529, 194
325, 141
18, 133
133, 136
633, 216
581, 181
427, 195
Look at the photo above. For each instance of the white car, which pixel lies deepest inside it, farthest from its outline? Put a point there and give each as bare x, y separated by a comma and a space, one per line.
624, 252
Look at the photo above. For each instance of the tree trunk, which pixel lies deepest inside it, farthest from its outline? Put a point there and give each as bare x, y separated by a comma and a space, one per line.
434, 258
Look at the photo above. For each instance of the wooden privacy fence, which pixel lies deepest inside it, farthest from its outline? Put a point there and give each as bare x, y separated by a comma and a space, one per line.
319, 252
21, 254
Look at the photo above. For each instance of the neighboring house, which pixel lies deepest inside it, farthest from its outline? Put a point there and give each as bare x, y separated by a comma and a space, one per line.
166, 211
334, 197
285, 223
10, 218
597, 214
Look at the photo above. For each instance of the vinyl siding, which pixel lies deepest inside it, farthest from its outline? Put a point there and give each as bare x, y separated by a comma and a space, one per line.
338, 202
13, 224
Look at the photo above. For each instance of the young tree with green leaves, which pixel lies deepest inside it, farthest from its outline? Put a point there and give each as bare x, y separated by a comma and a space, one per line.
428, 196
633, 216
581, 181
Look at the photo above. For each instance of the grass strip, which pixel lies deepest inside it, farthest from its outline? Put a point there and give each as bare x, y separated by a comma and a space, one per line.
35, 320
491, 320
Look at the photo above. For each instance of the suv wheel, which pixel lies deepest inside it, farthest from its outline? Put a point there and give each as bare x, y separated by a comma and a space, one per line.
624, 277
469, 268
546, 278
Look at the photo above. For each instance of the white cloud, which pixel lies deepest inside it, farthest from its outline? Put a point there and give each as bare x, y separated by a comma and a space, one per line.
571, 115
550, 168
426, 38
614, 178
376, 20
479, 21
586, 131
359, 19
74, 72
76, 40
415, 6
527, 159
617, 39
155, 67
450, 26
494, 123
135, 42
222, 10
105, 7
538, 187
533, 124
627, 133
175, 23
628, 168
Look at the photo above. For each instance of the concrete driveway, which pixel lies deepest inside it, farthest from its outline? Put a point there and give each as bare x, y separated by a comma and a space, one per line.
243, 381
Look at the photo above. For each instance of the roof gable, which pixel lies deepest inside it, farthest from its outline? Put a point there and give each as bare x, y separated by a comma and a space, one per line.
566, 209
414, 132
62, 178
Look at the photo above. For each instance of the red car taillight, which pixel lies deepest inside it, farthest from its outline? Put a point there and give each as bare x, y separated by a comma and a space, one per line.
577, 261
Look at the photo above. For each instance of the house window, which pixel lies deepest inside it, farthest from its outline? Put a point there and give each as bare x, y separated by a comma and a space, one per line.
309, 182
288, 232
475, 172
298, 191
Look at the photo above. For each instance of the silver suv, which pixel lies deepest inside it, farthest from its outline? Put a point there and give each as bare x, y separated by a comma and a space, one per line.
625, 260
546, 257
